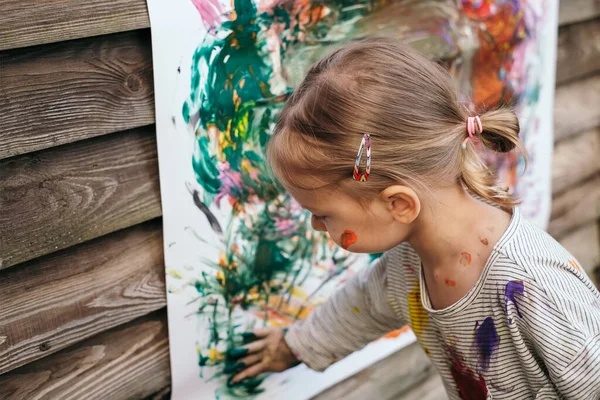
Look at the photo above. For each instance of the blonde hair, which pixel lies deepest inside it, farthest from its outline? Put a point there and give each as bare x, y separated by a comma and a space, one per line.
410, 108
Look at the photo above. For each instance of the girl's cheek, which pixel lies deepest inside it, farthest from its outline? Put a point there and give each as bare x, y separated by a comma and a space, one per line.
348, 238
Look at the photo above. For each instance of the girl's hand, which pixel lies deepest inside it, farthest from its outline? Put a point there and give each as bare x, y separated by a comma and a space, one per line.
267, 353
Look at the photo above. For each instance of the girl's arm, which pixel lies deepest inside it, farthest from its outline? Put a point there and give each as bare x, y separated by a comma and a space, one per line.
561, 320
354, 316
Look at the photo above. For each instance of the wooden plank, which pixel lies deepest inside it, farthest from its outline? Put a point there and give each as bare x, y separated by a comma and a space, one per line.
572, 11
390, 378
75, 90
576, 206
91, 87
47, 21
575, 160
584, 244
129, 362
28, 23
56, 301
576, 107
578, 52
53, 199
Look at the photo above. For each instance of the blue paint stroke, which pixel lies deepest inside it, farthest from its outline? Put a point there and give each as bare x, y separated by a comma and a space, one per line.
513, 288
487, 341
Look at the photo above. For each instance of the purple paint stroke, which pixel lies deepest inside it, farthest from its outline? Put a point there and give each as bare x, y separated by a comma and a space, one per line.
487, 342
231, 182
513, 288
210, 12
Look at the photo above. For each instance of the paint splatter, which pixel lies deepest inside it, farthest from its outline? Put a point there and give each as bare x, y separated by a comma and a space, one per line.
575, 265
418, 315
348, 238
450, 282
484, 241
487, 341
356, 310
410, 269
513, 288
465, 259
469, 385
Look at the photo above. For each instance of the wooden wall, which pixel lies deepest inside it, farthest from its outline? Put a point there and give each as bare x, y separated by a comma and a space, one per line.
82, 291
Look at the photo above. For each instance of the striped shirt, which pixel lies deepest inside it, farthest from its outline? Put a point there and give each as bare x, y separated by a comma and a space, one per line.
528, 329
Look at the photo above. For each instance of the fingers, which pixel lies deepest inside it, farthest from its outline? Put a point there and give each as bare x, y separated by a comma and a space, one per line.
262, 332
251, 359
249, 372
257, 346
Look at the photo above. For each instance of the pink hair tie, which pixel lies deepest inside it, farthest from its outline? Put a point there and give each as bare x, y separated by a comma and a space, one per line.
471, 129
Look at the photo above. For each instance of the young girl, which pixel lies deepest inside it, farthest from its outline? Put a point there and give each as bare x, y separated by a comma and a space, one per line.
502, 310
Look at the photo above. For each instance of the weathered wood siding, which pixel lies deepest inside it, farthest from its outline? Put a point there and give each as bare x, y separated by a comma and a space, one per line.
82, 292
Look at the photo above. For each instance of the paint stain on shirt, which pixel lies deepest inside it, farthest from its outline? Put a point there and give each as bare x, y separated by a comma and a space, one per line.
487, 341
418, 315
575, 265
465, 259
512, 289
348, 238
470, 386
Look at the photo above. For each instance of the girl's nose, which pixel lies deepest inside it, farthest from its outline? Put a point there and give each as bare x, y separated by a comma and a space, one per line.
317, 224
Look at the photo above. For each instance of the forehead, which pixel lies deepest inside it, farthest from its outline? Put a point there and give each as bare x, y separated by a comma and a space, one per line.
315, 199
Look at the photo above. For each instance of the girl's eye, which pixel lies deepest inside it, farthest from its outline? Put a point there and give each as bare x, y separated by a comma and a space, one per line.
318, 217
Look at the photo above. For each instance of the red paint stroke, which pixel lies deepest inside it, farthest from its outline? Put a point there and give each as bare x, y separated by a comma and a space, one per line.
470, 386
465, 259
450, 282
410, 268
484, 241
348, 238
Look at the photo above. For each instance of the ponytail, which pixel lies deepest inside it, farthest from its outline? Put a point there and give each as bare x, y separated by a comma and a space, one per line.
500, 134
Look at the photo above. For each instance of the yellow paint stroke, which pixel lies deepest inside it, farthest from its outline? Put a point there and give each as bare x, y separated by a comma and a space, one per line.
215, 355
356, 310
418, 315
174, 274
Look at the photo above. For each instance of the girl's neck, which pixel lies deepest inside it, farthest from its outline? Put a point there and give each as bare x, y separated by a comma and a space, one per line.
454, 236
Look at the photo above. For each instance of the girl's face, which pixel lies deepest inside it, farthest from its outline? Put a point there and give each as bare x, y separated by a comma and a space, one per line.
355, 227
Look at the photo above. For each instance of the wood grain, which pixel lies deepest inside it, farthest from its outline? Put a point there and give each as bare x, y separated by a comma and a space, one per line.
576, 107
572, 11
28, 23
391, 378
47, 21
129, 362
53, 199
583, 244
575, 160
576, 206
75, 90
56, 301
90, 87
578, 52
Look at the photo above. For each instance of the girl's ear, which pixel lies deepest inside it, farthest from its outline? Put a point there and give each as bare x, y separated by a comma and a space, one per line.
402, 202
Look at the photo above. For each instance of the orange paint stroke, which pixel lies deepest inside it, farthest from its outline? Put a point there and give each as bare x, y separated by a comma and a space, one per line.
348, 238
484, 241
450, 282
397, 332
575, 265
465, 259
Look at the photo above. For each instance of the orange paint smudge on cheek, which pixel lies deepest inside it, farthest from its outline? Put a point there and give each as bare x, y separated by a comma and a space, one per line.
484, 241
465, 259
450, 282
348, 238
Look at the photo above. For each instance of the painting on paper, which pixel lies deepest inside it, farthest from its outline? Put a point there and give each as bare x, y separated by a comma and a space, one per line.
239, 252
